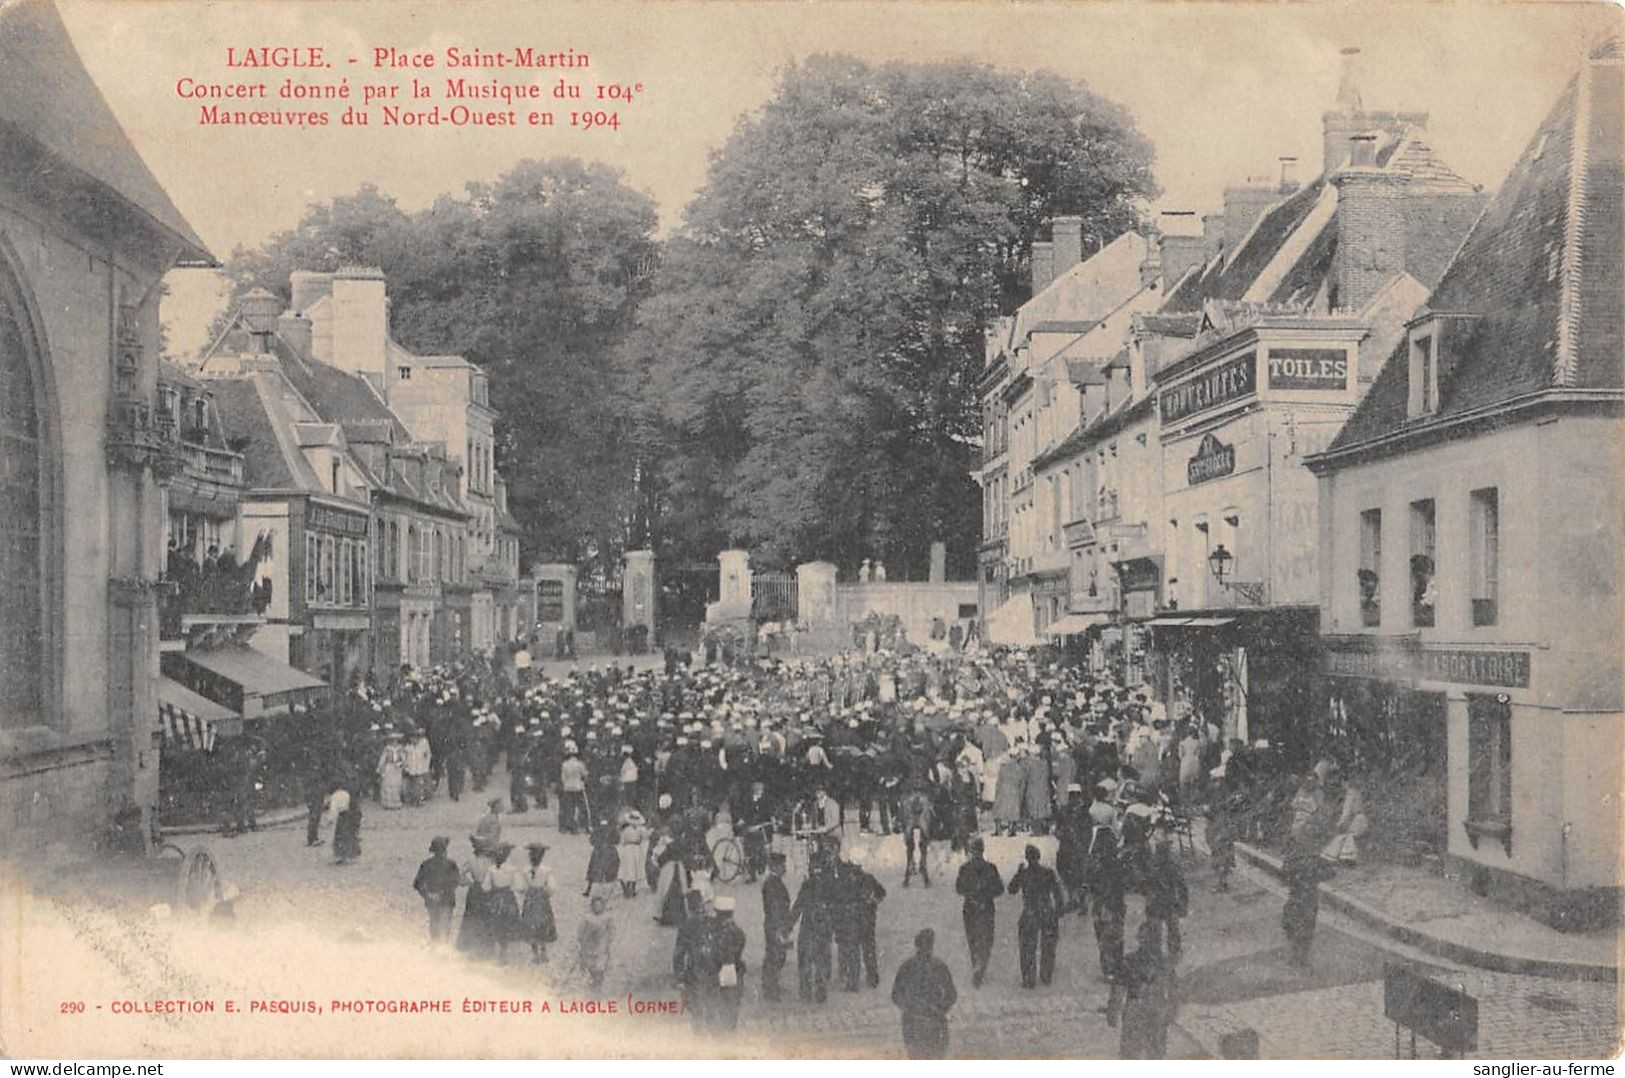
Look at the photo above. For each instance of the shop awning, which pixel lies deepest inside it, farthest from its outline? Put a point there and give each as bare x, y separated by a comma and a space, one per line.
187, 720
1163, 623
1011, 625
258, 681
1075, 623
1209, 623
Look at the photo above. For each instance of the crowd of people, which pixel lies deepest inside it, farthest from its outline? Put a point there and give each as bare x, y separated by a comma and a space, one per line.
792, 757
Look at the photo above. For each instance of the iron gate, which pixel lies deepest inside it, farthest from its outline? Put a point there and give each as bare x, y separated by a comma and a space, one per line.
773, 596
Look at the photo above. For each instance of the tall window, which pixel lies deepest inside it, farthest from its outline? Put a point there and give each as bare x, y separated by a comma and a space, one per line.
313, 564
344, 568
1424, 377
1424, 590
1489, 761
22, 528
1370, 572
1485, 511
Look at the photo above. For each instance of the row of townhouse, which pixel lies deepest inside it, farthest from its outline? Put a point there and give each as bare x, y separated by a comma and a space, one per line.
367, 527
1277, 475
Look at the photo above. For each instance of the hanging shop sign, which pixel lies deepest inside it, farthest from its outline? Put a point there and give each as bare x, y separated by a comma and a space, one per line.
1308, 368
1213, 460
1227, 382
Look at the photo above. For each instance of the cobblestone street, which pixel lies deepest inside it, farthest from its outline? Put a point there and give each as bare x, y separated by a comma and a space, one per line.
312, 930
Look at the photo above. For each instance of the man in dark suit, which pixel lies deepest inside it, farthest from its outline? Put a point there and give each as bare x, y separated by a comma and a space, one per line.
775, 927
1040, 924
979, 884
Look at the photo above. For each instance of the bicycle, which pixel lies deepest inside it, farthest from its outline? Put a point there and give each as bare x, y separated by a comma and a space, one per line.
728, 853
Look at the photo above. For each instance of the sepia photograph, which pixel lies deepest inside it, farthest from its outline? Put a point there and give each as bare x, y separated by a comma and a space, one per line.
862, 529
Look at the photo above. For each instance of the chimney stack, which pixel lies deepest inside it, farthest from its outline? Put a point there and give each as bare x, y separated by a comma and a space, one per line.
1289, 175
1067, 234
1243, 206
1151, 264
360, 321
1371, 231
1043, 265
1180, 247
1363, 151
1212, 233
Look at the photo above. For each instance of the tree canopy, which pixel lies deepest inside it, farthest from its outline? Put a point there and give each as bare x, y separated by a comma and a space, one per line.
533, 277
806, 367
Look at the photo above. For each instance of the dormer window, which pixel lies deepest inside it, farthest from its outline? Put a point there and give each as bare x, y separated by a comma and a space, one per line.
1424, 373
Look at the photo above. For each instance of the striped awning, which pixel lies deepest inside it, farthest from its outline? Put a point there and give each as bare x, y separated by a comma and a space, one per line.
187, 720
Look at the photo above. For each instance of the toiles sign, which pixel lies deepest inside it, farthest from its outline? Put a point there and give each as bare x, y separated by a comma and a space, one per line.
1227, 382
1308, 368
1213, 459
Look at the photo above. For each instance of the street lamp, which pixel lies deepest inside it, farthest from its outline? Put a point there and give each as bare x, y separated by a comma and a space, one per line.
1220, 561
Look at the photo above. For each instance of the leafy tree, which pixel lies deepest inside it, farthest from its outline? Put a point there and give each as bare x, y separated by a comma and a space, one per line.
811, 353
534, 278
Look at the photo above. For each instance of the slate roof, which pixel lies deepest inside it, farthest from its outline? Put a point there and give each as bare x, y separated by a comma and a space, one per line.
1102, 427
1541, 271
243, 414
48, 97
1230, 278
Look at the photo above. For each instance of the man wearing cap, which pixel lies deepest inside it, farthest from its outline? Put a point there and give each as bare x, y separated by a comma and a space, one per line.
924, 991
436, 882
776, 923
720, 966
859, 896
1039, 927
979, 884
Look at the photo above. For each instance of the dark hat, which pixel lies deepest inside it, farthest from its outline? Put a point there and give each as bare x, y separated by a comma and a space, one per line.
925, 939
439, 844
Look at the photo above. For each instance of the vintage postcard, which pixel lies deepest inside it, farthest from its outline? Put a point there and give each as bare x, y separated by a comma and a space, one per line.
779, 530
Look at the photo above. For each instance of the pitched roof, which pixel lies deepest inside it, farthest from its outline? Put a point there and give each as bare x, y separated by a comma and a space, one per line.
1541, 271
245, 415
1231, 277
47, 96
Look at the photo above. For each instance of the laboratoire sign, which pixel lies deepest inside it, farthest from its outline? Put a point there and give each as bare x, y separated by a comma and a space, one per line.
1213, 460
1308, 368
1360, 657
1230, 381
324, 519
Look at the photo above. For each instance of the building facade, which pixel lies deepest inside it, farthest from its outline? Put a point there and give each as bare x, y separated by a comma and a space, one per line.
81, 509
1492, 439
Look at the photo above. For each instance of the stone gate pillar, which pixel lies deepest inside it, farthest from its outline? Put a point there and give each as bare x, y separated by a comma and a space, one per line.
638, 592
555, 597
733, 595
815, 593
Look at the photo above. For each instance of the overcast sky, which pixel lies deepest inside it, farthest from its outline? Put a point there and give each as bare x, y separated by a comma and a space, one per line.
1222, 91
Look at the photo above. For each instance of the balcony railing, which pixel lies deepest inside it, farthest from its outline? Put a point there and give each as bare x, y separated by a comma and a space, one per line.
211, 463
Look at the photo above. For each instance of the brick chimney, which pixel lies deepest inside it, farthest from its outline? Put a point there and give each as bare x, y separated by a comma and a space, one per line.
359, 316
1043, 265
1067, 234
1243, 206
1178, 248
1151, 264
1370, 227
1212, 233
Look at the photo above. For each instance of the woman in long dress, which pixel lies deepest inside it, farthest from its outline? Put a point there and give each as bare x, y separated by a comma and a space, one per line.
347, 826
633, 834
502, 886
540, 925
391, 771
473, 935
